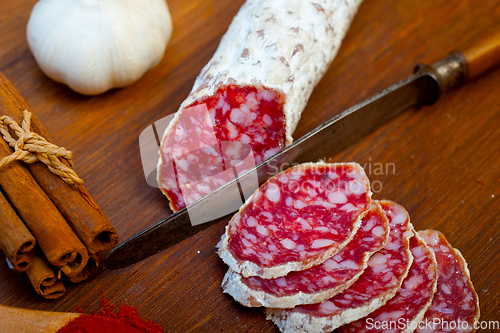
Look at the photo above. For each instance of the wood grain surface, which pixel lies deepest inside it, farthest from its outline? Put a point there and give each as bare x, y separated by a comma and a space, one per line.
441, 162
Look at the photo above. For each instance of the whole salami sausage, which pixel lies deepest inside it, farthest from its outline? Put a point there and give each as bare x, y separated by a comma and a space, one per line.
297, 219
317, 283
403, 313
455, 307
379, 282
252, 92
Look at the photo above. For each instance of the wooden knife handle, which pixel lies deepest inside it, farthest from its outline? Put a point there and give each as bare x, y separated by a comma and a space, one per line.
458, 67
482, 57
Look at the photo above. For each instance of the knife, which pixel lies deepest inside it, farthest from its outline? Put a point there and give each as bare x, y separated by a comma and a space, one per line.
424, 87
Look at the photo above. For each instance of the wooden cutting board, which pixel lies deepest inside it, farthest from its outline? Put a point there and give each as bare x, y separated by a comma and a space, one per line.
441, 162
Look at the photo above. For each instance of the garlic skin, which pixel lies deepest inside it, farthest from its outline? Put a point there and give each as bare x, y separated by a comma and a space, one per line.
95, 45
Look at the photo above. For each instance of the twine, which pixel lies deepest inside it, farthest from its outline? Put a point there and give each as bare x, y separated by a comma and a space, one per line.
30, 147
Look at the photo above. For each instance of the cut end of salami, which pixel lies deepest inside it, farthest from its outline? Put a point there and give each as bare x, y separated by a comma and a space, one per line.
215, 133
297, 219
455, 307
252, 115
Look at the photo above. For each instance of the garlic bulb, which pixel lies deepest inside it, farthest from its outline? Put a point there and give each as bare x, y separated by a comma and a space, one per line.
95, 45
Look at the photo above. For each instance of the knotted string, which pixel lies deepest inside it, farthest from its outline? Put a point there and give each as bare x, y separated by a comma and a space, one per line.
30, 147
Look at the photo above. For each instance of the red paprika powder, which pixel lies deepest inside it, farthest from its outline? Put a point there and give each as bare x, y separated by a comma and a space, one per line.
124, 320
96, 324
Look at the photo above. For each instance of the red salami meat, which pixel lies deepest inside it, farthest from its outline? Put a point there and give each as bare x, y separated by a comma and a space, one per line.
297, 219
379, 282
317, 283
209, 140
253, 89
455, 307
402, 313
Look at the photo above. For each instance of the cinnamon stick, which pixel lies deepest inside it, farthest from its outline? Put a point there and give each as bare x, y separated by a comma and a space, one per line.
57, 240
15, 239
17, 320
90, 269
45, 280
74, 202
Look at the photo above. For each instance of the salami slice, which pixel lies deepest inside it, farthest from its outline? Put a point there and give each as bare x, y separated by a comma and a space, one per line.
317, 283
254, 88
402, 313
379, 282
455, 307
297, 219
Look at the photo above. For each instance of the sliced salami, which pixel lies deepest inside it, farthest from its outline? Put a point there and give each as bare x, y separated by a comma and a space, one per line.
317, 283
403, 313
455, 307
297, 219
254, 88
379, 282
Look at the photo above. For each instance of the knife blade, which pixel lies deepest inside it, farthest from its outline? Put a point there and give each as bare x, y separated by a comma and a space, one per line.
424, 87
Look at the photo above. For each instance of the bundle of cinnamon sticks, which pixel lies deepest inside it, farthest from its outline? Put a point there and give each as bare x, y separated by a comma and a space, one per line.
49, 229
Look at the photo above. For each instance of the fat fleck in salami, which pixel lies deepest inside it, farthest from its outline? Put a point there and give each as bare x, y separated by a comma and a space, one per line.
455, 307
379, 282
297, 219
402, 313
253, 89
317, 283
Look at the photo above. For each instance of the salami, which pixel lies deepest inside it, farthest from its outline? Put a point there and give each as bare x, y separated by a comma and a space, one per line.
317, 283
455, 307
403, 313
253, 89
379, 282
297, 219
